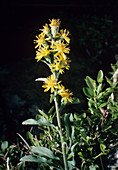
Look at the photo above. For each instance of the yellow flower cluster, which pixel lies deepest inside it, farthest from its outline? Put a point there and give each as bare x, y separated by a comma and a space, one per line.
51, 83
52, 48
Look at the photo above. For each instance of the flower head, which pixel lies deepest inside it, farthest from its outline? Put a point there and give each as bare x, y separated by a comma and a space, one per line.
63, 34
57, 66
55, 23
64, 61
65, 94
60, 48
45, 29
40, 40
50, 83
42, 52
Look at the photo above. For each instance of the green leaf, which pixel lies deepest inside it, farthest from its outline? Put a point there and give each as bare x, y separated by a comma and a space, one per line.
43, 151
109, 81
51, 97
99, 88
75, 100
80, 154
77, 116
100, 76
70, 156
88, 92
102, 147
40, 122
30, 158
83, 134
102, 105
67, 125
68, 119
100, 95
51, 110
43, 114
4, 145
109, 127
90, 82
24, 141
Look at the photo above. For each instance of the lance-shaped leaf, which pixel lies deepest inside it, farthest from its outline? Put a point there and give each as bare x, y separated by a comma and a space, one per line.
68, 121
40, 122
44, 152
102, 105
100, 76
39, 160
30, 158
43, 114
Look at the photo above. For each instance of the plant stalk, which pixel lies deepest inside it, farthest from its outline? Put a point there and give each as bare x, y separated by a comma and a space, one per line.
101, 163
61, 135
59, 124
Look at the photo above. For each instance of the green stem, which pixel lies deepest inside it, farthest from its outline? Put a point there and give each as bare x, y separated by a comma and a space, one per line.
101, 163
59, 122
61, 135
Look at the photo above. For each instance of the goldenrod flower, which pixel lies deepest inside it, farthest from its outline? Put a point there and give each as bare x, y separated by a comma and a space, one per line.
45, 29
42, 52
63, 34
40, 40
65, 93
60, 48
55, 23
50, 83
57, 66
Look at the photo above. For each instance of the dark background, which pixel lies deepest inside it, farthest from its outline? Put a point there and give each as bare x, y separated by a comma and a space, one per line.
20, 21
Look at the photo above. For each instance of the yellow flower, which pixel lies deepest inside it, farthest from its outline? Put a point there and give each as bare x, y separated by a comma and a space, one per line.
64, 35
42, 52
60, 48
65, 93
40, 40
45, 29
50, 83
64, 61
55, 23
57, 66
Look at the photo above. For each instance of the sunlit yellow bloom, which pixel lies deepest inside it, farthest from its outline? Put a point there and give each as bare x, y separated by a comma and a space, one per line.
60, 48
50, 83
65, 93
42, 52
40, 40
55, 23
45, 29
64, 35
57, 66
